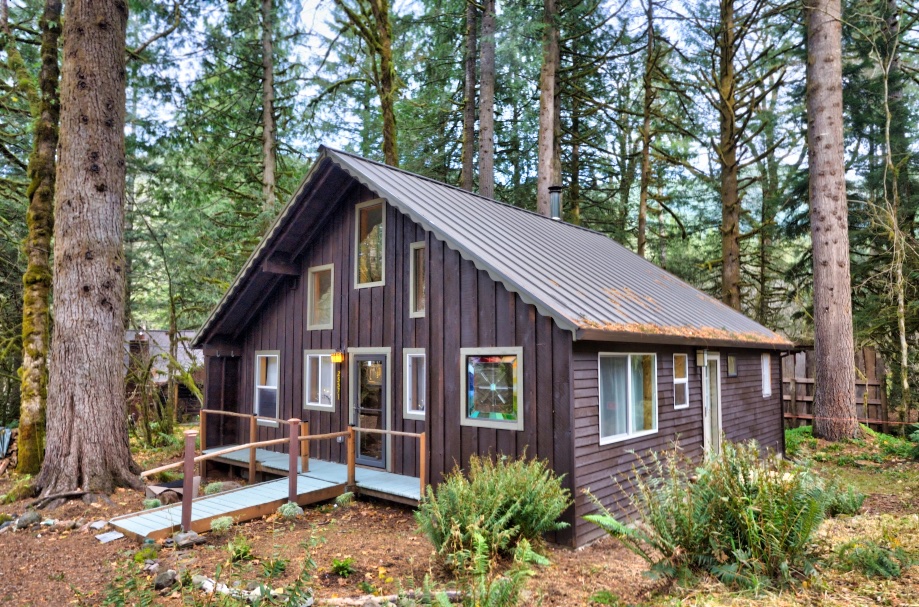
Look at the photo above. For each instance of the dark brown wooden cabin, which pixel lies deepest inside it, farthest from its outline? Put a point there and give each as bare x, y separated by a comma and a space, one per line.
490, 328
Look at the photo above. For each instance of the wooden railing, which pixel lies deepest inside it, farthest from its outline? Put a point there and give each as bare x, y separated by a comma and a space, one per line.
253, 433
422, 450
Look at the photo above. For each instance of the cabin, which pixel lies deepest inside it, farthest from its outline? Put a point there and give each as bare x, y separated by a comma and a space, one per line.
147, 360
383, 300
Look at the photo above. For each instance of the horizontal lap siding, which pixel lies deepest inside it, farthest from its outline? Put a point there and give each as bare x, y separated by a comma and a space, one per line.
746, 414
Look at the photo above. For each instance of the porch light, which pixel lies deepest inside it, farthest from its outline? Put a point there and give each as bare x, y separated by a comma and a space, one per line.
700, 358
338, 357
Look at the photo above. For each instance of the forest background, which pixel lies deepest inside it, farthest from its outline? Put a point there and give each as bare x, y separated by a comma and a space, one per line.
678, 129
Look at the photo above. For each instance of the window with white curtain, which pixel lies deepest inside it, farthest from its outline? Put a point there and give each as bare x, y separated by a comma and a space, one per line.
628, 396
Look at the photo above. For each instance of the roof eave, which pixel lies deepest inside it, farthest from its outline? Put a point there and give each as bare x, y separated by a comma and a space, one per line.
667, 339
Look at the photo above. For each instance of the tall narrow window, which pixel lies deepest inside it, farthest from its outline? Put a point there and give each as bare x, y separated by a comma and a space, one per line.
766, 362
320, 380
680, 381
369, 243
266, 383
321, 287
415, 383
628, 396
418, 278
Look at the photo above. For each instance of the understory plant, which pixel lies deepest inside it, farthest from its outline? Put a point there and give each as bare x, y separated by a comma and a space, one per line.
502, 501
744, 518
872, 559
289, 511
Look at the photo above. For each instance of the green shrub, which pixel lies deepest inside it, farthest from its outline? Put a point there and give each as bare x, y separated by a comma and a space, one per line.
289, 511
893, 446
871, 559
151, 503
274, 567
239, 549
795, 438
344, 500
343, 567
746, 519
147, 553
503, 501
838, 501
212, 488
222, 524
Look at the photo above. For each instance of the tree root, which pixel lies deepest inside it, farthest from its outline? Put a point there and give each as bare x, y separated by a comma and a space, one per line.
45, 500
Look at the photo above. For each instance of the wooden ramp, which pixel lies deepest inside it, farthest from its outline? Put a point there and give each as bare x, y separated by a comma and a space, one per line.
242, 504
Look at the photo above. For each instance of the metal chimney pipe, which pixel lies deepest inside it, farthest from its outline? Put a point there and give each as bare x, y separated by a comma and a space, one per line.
555, 202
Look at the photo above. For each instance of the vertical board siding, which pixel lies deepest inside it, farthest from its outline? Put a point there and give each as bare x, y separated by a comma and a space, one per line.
464, 308
746, 413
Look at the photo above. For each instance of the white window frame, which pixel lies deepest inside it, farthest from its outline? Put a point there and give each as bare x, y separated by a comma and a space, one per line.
255, 401
628, 435
412, 312
516, 425
677, 381
407, 378
766, 372
357, 244
306, 381
330, 267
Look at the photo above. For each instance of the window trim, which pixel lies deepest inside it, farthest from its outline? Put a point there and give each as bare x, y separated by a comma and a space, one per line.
407, 354
628, 435
309, 297
357, 270
306, 384
766, 373
412, 312
255, 401
516, 425
684, 381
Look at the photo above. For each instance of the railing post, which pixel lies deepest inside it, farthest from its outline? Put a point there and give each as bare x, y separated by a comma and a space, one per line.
253, 437
304, 447
422, 460
351, 449
188, 482
294, 451
202, 428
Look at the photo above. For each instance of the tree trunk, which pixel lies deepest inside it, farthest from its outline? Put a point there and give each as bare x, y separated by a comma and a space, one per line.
36, 320
467, 180
380, 9
547, 85
487, 103
574, 187
645, 182
87, 440
727, 154
269, 134
834, 397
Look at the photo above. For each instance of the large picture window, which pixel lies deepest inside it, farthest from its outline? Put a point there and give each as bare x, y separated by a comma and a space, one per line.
319, 382
628, 396
680, 381
491, 384
417, 303
319, 307
415, 383
267, 365
370, 242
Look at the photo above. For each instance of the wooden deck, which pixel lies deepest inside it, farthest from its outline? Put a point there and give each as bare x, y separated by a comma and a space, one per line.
323, 481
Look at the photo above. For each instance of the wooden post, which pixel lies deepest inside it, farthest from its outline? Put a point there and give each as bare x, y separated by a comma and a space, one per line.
202, 428
253, 437
294, 452
350, 457
422, 460
188, 482
304, 447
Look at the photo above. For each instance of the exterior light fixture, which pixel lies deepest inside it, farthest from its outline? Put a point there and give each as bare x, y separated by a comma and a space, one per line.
338, 357
700, 358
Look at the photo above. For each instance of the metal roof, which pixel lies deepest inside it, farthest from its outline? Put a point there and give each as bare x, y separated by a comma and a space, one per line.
588, 283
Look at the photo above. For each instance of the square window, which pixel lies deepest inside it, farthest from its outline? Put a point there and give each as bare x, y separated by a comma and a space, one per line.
628, 396
320, 381
319, 306
732, 365
266, 383
680, 381
370, 242
415, 383
491, 379
416, 309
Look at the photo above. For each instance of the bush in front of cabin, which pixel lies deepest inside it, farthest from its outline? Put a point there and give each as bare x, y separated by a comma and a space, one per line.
741, 517
501, 501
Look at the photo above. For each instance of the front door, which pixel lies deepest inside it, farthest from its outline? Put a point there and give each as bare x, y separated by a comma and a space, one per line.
370, 410
711, 402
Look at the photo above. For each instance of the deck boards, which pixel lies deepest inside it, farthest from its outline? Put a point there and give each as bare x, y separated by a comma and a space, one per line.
322, 481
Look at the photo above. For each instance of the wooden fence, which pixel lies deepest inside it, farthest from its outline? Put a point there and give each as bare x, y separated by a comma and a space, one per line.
870, 395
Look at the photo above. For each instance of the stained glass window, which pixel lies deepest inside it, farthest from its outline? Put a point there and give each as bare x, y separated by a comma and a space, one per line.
492, 388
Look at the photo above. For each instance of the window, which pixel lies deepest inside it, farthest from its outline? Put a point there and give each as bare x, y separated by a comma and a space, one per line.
415, 383
320, 385
417, 270
766, 362
680, 381
628, 396
732, 365
266, 383
491, 387
319, 306
369, 244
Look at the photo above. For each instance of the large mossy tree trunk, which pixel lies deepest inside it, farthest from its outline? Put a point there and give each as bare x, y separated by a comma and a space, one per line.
87, 434
727, 155
834, 396
269, 147
467, 176
36, 319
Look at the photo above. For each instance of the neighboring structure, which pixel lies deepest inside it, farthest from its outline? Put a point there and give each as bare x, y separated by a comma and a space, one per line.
147, 353
493, 329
